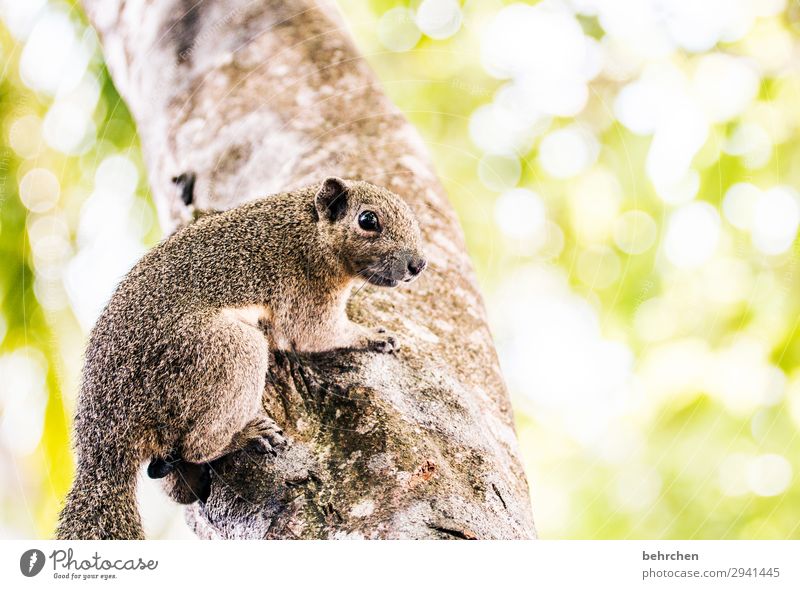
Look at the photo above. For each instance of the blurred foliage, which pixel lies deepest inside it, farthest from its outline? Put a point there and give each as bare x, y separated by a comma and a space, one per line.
42, 478
627, 191
40, 341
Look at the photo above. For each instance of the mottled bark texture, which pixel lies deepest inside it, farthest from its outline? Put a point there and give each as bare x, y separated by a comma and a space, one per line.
237, 99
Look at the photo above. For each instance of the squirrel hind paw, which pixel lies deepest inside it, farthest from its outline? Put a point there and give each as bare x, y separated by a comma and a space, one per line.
263, 436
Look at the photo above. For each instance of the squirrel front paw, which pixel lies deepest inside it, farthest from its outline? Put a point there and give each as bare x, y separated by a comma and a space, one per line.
380, 340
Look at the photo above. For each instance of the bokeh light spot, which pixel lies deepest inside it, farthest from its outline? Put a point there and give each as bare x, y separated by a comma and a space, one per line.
635, 232
567, 152
769, 474
39, 190
520, 213
25, 136
692, 235
775, 219
439, 19
738, 204
397, 30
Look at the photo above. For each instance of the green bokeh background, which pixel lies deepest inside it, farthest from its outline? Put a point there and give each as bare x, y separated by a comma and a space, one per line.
701, 441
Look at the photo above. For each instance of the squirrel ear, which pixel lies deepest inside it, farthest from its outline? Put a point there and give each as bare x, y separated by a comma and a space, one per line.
331, 199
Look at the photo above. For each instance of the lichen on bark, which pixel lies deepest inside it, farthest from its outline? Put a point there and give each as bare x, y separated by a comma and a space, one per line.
255, 97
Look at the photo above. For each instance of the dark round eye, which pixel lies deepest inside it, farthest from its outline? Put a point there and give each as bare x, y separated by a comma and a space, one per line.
368, 221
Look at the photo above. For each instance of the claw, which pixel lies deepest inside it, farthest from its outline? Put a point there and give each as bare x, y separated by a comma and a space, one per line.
266, 437
261, 446
385, 343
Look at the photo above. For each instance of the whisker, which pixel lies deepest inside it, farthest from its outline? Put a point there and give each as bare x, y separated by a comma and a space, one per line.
380, 268
366, 282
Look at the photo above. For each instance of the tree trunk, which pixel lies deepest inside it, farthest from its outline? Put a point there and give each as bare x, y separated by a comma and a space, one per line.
248, 98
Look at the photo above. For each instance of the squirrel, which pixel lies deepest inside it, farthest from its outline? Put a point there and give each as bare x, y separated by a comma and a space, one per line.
176, 363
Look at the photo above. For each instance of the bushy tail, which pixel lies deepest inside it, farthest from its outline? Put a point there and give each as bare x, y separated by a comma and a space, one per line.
102, 502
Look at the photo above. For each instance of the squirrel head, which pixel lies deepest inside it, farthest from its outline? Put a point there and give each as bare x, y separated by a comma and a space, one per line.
371, 231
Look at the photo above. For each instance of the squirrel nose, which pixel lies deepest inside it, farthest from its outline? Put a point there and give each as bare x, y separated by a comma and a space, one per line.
416, 266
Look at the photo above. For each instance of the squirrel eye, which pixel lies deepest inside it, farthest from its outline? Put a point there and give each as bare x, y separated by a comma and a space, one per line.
368, 221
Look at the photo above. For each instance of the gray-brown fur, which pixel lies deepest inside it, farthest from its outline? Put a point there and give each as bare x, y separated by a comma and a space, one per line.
271, 96
176, 364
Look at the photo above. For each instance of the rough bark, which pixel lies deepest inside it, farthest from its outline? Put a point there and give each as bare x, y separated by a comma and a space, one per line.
255, 97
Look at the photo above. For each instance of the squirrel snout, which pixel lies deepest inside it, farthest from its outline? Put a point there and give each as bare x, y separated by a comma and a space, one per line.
416, 265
